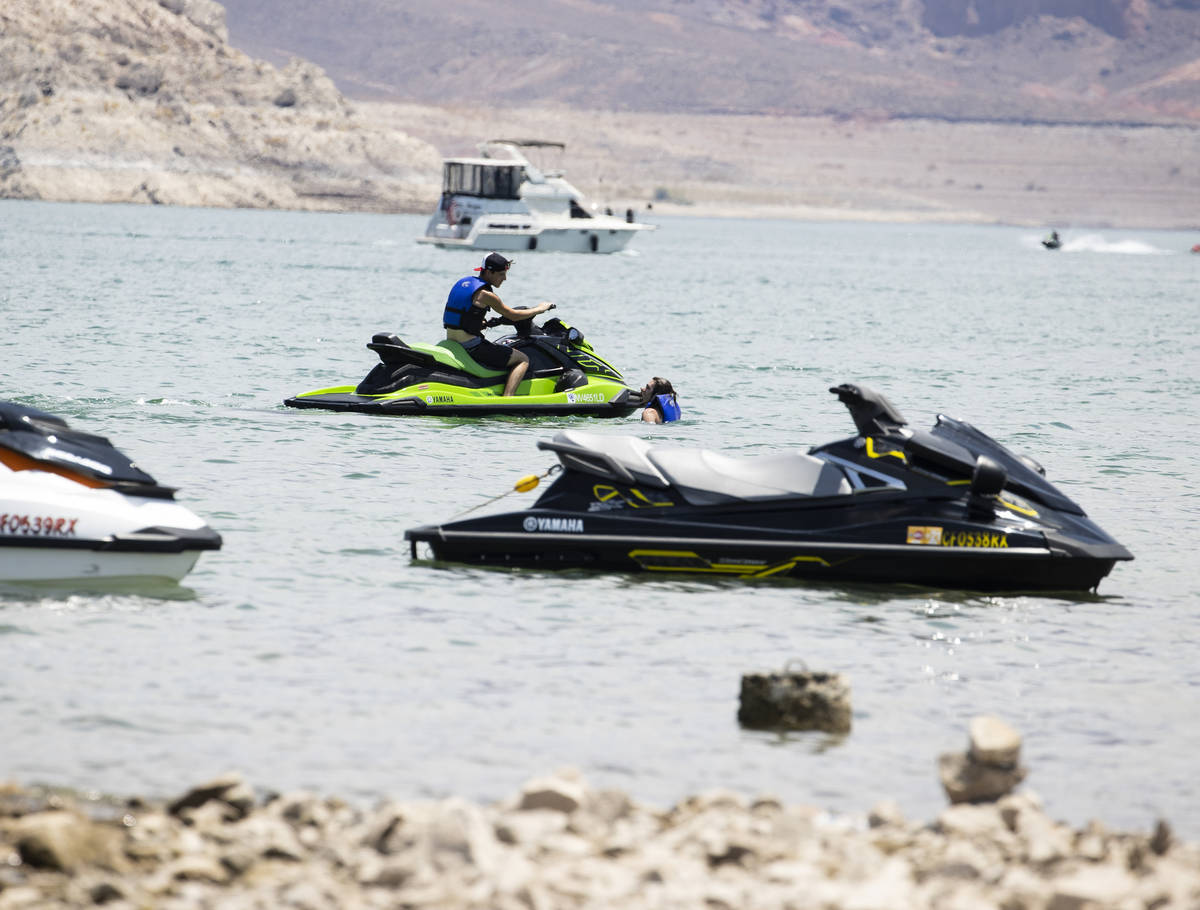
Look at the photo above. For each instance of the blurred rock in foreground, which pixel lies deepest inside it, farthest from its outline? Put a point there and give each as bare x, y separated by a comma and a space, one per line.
558, 844
989, 769
145, 101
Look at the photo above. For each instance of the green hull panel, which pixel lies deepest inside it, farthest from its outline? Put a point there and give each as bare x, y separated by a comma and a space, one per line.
599, 398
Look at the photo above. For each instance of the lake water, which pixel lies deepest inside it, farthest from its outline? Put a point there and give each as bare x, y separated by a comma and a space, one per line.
311, 652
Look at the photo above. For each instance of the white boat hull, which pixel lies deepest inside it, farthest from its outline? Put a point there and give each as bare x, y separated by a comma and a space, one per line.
566, 240
42, 564
53, 528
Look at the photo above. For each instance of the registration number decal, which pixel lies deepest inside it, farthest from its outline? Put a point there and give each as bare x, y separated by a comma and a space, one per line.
972, 539
937, 536
37, 525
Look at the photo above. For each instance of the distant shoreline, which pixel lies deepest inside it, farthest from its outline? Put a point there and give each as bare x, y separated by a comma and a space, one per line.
902, 169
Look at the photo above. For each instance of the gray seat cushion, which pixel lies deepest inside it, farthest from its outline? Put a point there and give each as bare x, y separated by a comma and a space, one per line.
627, 451
706, 478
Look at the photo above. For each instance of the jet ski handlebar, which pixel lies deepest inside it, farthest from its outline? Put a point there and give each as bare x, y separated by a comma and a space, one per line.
504, 320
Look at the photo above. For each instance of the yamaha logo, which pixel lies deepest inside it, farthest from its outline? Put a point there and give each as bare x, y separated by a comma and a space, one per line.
553, 525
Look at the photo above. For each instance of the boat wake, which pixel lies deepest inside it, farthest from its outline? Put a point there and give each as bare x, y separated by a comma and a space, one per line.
1095, 243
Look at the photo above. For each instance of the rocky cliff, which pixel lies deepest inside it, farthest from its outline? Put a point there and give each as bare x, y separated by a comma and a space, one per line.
146, 101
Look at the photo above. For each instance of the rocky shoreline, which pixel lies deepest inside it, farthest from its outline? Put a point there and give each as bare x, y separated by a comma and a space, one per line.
560, 843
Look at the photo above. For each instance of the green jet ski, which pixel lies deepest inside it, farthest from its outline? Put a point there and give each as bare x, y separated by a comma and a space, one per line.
566, 376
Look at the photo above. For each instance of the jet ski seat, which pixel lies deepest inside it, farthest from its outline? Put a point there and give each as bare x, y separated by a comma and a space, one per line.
458, 357
707, 478
621, 458
703, 477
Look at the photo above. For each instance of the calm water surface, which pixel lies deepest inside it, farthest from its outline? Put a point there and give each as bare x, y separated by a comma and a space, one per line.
312, 652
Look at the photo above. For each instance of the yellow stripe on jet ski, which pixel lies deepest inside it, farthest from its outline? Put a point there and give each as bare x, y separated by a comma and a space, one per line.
791, 564
686, 561
690, 561
604, 492
871, 453
1024, 510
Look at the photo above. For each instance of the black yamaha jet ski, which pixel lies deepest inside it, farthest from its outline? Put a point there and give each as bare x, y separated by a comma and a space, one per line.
948, 507
566, 376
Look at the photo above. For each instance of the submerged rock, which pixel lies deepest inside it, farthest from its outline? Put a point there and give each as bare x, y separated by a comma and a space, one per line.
795, 700
989, 768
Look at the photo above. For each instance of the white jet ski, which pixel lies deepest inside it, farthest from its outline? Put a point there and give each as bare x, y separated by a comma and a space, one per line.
73, 507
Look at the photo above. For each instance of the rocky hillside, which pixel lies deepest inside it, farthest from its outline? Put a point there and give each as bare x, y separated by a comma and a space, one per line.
146, 101
1000, 60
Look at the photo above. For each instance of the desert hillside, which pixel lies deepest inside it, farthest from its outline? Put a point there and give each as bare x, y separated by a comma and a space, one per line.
684, 106
986, 60
145, 101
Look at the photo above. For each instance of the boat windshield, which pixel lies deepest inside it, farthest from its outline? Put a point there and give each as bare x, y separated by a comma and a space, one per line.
492, 181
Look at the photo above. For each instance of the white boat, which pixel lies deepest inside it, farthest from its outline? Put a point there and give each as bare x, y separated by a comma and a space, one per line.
502, 201
75, 508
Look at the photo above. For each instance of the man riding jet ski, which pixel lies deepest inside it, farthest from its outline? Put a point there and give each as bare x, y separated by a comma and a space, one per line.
948, 507
73, 507
565, 376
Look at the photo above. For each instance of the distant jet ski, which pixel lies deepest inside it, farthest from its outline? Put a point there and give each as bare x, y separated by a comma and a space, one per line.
1052, 242
73, 507
949, 508
566, 376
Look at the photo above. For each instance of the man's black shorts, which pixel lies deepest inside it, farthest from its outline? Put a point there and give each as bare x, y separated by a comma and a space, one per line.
492, 356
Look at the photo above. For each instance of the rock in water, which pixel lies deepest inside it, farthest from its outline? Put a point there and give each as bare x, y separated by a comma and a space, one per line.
795, 701
989, 769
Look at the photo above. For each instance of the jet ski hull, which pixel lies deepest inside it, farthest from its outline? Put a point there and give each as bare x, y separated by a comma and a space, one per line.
32, 565
566, 377
54, 529
74, 508
948, 508
993, 562
452, 403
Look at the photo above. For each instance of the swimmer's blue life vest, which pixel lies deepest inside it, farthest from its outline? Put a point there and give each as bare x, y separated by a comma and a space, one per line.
459, 313
667, 406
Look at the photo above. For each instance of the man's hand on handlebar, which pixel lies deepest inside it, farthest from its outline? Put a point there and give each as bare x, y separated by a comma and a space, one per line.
504, 320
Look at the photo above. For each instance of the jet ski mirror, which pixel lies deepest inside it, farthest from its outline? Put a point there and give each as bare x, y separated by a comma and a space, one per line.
986, 483
1032, 463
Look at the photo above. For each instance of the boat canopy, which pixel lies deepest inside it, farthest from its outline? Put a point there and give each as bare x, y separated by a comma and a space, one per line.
491, 181
485, 147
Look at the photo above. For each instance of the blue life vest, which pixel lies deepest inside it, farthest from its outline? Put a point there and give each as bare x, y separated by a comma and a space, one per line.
667, 406
460, 314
